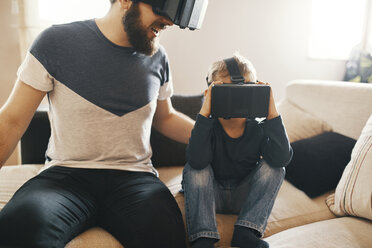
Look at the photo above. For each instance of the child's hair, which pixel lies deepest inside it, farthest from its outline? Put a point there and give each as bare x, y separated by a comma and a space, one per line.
219, 69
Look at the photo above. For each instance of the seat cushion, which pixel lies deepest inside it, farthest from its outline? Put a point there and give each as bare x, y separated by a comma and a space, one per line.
95, 237
294, 208
12, 178
346, 232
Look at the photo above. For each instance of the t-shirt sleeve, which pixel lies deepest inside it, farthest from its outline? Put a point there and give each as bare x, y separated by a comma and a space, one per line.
36, 69
166, 88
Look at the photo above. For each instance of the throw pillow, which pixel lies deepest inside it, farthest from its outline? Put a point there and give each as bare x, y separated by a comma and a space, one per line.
300, 124
165, 151
354, 191
318, 162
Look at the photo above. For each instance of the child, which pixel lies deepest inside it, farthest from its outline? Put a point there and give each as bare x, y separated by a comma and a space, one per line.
235, 166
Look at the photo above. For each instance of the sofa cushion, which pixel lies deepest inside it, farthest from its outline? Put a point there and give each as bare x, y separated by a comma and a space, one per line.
354, 191
346, 232
95, 237
293, 208
34, 141
12, 178
299, 124
172, 177
345, 106
167, 152
318, 162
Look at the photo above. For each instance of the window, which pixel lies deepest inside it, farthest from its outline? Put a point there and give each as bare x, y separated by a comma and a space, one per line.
36, 15
337, 27
58, 11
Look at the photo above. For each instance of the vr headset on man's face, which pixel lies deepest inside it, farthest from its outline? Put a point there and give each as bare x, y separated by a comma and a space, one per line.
239, 99
184, 13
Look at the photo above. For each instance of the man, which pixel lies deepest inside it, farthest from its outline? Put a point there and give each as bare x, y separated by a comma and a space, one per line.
106, 80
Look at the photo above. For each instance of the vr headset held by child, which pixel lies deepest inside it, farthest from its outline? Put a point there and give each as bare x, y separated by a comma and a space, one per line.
184, 13
239, 99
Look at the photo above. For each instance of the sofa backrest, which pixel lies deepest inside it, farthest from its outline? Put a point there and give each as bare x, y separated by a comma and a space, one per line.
345, 106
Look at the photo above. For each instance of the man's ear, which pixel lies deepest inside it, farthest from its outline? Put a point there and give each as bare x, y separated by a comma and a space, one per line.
125, 4
205, 92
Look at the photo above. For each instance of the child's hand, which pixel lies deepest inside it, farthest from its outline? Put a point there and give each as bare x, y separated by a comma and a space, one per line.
272, 108
206, 108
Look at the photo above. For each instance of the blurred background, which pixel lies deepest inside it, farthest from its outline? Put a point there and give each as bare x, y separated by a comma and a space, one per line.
284, 39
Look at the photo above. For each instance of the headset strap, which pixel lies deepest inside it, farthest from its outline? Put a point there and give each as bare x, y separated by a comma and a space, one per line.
233, 68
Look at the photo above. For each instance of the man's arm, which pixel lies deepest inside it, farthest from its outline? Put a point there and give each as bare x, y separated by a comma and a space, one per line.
172, 123
16, 115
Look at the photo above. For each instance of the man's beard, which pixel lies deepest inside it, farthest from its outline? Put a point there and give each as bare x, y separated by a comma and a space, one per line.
137, 33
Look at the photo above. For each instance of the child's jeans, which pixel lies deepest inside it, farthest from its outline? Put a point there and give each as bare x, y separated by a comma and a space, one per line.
252, 199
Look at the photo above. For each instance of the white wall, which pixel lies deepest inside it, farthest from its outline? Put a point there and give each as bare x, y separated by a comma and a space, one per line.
273, 34
9, 57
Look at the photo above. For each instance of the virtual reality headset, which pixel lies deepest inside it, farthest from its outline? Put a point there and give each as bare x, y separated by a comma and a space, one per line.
239, 99
184, 13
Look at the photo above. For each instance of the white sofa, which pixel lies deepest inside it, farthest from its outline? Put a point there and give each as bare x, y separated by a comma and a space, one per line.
296, 220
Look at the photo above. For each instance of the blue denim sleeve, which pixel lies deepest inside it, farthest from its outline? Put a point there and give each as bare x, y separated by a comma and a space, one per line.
199, 150
275, 148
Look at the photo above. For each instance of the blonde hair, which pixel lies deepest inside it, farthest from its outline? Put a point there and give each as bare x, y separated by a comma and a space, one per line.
219, 69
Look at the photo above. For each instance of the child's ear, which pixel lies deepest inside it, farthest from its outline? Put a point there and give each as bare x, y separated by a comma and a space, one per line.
205, 92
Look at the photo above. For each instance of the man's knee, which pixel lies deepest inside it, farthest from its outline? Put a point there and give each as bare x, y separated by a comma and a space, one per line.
167, 227
42, 216
27, 225
156, 222
162, 202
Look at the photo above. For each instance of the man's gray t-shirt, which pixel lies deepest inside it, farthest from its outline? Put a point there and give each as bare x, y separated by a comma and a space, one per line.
102, 97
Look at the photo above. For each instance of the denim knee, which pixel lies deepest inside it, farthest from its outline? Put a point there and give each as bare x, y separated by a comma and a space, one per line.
267, 172
197, 178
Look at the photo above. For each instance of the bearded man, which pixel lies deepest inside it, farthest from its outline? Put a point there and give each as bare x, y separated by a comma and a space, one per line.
107, 81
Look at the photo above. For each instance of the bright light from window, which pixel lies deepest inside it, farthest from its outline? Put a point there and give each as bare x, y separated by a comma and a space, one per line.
62, 11
337, 26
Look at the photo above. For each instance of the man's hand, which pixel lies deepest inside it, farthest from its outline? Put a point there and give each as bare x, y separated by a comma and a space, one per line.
272, 108
206, 108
